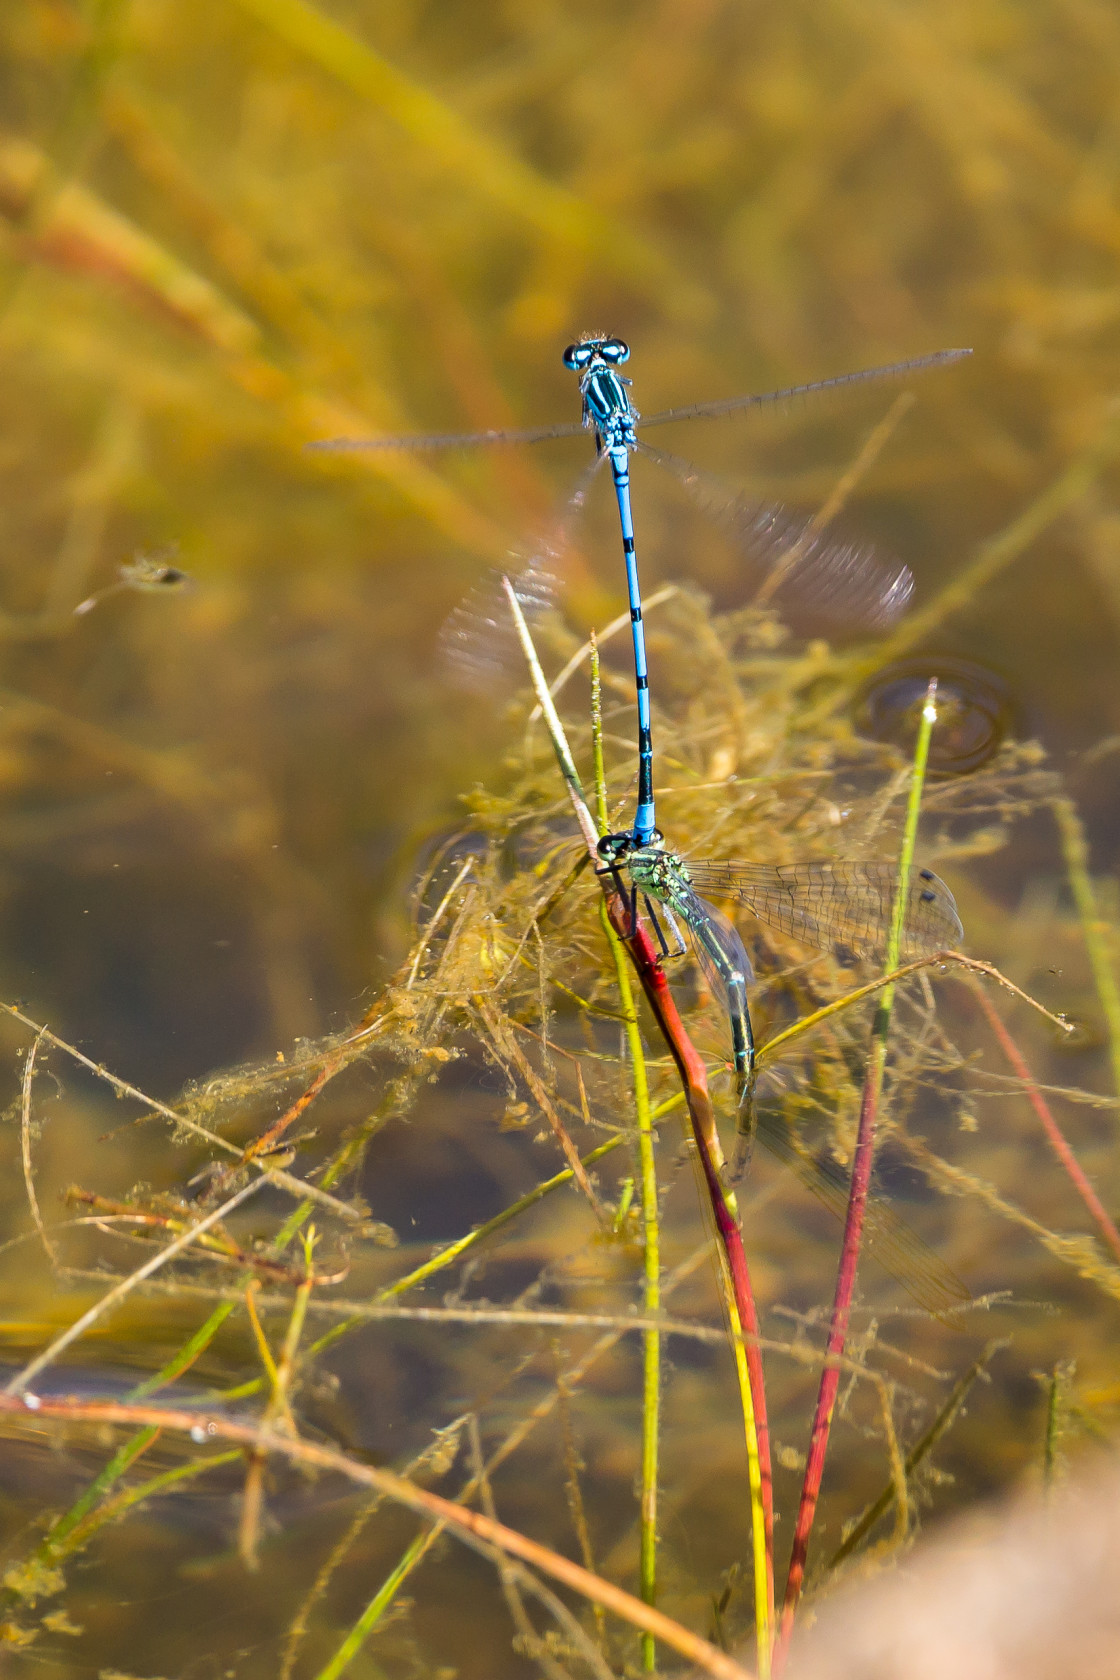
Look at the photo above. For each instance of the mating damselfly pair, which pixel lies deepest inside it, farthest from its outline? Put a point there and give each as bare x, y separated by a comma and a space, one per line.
827, 904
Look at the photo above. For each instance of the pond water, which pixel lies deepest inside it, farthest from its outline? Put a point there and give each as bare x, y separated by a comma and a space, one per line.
237, 781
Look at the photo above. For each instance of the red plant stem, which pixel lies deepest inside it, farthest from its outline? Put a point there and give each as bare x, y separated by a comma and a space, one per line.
694, 1077
1050, 1126
432, 1507
838, 1332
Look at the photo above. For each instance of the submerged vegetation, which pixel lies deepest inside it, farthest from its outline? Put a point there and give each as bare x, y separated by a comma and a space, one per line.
355, 1208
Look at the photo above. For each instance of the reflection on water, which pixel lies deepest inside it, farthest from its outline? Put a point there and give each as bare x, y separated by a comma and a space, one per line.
974, 710
220, 807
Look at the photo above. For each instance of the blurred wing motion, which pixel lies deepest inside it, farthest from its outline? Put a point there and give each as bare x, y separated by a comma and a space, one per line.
478, 641
845, 905
791, 563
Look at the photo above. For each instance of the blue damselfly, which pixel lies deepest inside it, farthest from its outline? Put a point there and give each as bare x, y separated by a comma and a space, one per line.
848, 581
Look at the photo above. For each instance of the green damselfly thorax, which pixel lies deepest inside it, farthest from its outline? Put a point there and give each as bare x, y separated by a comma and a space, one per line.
835, 905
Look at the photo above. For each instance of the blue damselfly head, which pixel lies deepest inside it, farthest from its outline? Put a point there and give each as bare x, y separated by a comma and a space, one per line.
613, 351
974, 710
478, 640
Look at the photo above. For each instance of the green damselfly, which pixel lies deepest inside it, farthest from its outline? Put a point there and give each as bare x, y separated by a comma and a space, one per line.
834, 905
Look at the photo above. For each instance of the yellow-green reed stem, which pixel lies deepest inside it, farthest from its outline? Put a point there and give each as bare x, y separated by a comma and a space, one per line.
857, 1199
420, 1546
264, 1352
287, 1360
626, 1197
1094, 929
909, 842
651, 1227
58, 1543
278, 1408
602, 817
186, 1356
375, 1609
113, 1509
761, 1564
723, 1216
763, 1576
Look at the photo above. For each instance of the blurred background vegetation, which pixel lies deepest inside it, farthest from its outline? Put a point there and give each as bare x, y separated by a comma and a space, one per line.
230, 227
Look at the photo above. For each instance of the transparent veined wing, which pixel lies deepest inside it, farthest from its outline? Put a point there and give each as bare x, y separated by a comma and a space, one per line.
895, 1245
719, 949
452, 440
891, 1242
838, 904
723, 958
732, 405
691, 411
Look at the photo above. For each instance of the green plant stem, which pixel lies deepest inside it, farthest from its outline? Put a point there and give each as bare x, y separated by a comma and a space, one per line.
126, 1500
857, 1200
735, 1273
651, 1226
376, 1608
431, 1507
55, 1544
